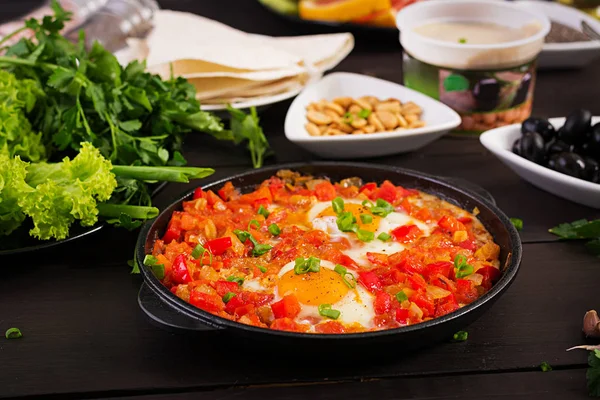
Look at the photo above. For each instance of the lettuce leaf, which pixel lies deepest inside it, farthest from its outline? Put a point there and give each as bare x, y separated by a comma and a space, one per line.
12, 188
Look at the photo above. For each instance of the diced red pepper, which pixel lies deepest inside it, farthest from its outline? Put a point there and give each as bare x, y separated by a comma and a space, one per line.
490, 275
218, 246
264, 202
261, 193
288, 307
207, 302
407, 206
330, 327
443, 268
174, 229
369, 280
446, 306
466, 292
416, 281
222, 194
383, 321
368, 187
287, 324
378, 259
406, 233
451, 224
212, 198
174, 289
233, 303
425, 303
423, 214
468, 244
443, 282
243, 310
198, 193
325, 191
180, 273
465, 220
382, 303
387, 192
224, 287
316, 237
402, 316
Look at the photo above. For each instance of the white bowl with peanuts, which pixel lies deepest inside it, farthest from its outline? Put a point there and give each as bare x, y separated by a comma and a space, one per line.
346, 115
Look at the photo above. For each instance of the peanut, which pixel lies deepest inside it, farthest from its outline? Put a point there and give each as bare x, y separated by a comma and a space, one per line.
364, 105
417, 124
358, 123
312, 129
344, 127
335, 117
343, 101
354, 109
369, 129
336, 108
401, 121
318, 118
370, 99
358, 132
389, 106
388, 119
373, 120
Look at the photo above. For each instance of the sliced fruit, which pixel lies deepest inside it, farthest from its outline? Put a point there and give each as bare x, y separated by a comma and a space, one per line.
341, 10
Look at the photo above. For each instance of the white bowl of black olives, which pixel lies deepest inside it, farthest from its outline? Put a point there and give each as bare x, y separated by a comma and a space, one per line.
559, 155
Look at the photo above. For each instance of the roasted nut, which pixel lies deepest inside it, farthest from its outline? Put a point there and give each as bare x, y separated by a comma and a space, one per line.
373, 120
333, 132
391, 106
358, 132
369, 129
343, 101
417, 124
411, 108
364, 105
411, 118
388, 119
370, 99
323, 128
354, 109
358, 123
318, 118
311, 107
344, 127
312, 129
335, 117
339, 110
401, 121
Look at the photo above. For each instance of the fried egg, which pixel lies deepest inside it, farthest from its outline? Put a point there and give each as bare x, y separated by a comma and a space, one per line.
322, 217
326, 287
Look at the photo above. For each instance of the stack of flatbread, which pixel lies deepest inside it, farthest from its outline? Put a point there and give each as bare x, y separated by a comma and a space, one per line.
230, 66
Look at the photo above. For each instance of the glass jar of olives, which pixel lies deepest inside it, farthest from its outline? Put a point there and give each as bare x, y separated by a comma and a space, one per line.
477, 57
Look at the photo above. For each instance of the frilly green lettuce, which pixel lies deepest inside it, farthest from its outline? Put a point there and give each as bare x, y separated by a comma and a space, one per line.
12, 188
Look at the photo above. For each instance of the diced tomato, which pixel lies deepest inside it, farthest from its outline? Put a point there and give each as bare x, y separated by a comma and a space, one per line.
382, 303
198, 193
325, 191
443, 282
258, 299
174, 229
468, 244
287, 324
368, 187
423, 214
402, 316
407, 206
369, 280
465, 220
330, 327
212, 198
490, 275
288, 307
222, 194
387, 192
207, 302
451, 224
188, 222
383, 321
316, 237
406, 233
180, 273
378, 259
264, 202
261, 193
407, 263
233, 303
416, 281
425, 303
243, 310
174, 289
224, 287
443, 268
466, 292
218, 246
446, 306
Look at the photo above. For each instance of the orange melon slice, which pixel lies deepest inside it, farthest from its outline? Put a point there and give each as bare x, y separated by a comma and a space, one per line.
340, 10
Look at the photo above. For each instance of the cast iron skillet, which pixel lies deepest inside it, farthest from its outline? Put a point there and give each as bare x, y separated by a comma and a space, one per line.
399, 339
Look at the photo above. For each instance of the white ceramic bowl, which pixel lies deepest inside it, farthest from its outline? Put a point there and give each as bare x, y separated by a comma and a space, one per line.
439, 118
500, 140
565, 55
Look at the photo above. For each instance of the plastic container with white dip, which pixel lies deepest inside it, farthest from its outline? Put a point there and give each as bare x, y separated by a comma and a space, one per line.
489, 85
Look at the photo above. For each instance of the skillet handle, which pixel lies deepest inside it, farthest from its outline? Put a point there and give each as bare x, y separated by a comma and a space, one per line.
166, 317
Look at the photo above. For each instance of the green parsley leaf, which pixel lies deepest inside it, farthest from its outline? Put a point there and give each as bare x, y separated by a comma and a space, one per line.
274, 230
545, 367
461, 336
13, 333
518, 223
245, 127
570, 230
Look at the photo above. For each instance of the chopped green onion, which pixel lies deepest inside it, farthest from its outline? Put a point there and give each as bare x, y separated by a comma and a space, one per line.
465, 270
461, 336
348, 118
274, 230
462, 40
198, 251
364, 113
340, 269
382, 208
303, 266
260, 249
384, 237
518, 223
347, 277
228, 296
338, 205
364, 236
150, 260
263, 211
314, 264
253, 223
401, 296
238, 280
242, 235
326, 311
13, 333
346, 222
366, 218
545, 367
460, 260
262, 269
157, 269
367, 203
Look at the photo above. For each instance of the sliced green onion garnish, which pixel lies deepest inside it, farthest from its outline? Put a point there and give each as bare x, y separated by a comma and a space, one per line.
198, 251
13, 333
303, 266
382, 208
274, 230
253, 223
518, 223
157, 269
314, 264
326, 311
384, 237
459, 260
340, 269
238, 280
243, 235
366, 218
461, 336
367, 203
464, 270
346, 222
347, 277
150, 260
262, 269
364, 236
401, 296
263, 211
228, 296
364, 113
338, 205
260, 249
462, 40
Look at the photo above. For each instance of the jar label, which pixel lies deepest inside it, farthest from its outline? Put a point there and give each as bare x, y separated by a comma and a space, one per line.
483, 99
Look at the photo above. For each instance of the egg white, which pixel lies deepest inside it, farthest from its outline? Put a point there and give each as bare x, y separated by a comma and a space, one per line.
355, 307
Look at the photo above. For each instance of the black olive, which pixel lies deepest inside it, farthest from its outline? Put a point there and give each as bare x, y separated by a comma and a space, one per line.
568, 163
594, 142
558, 146
522, 91
576, 126
517, 147
532, 147
486, 93
592, 170
541, 126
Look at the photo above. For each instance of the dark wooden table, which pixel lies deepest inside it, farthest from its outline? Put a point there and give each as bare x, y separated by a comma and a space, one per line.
85, 337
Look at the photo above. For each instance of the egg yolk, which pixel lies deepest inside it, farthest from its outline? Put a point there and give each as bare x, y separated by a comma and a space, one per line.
313, 288
356, 210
